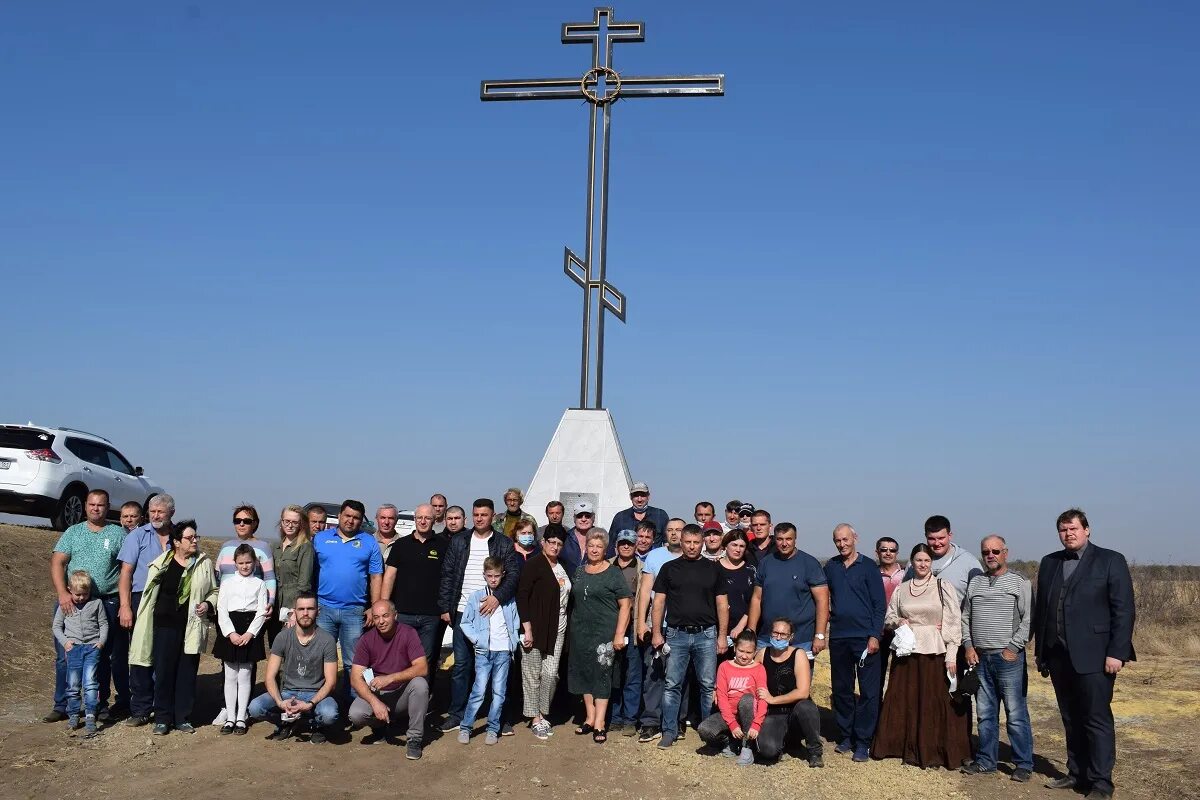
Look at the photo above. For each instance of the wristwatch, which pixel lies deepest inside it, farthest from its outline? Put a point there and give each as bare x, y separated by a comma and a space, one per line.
820, 637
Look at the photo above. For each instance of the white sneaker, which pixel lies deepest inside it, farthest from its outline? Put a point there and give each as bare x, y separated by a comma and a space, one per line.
491, 738
464, 737
220, 720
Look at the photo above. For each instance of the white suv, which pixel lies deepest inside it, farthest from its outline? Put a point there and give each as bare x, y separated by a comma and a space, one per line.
47, 472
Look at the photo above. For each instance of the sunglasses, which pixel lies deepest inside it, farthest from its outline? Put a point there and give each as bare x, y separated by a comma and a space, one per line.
988, 552
243, 521
584, 514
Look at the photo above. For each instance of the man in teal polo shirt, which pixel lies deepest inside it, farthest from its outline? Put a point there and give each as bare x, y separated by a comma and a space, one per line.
92, 546
349, 577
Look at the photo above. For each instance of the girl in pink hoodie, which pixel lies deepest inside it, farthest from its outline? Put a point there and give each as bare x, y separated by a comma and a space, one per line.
741, 711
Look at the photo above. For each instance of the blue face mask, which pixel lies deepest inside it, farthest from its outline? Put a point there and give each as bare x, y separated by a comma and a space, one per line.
525, 540
781, 644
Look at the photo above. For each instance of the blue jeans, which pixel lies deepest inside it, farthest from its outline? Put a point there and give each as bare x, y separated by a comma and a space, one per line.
264, 707
113, 664
82, 662
345, 625
628, 701
491, 666
460, 676
1003, 681
697, 649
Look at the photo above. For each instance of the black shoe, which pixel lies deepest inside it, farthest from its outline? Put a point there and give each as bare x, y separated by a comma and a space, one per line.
617, 727
1021, 775
105, 716
450, 725
1065, 782
137, 721
376, 736
227, 729
649, 735
55, 716
506, 729
280, 733
413, 751
973, 768
1099, 794
815, 761
239, 728
318, 737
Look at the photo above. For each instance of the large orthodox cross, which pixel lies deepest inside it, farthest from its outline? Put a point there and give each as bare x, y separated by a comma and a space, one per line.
601, 86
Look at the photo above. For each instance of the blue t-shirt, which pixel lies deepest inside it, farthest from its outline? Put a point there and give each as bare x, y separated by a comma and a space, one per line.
343, 567
787, 592
141, 546
651, 564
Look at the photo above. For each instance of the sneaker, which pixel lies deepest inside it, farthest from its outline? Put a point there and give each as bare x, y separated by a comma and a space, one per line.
541, 730
974, 768
227, 729
413, 751
649, 735
746, 757
843, 747
450, 725
491, 738
55, 716
464, 736
728, 752
1021, 775
90, 725
317, 737
815, 761
861, 754
186, 727
161, 729
507, 729
617, 727
73, 722
221, 718
137, 721
630, 730
666, 741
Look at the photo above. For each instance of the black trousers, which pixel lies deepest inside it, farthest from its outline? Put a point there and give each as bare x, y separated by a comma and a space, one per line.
1085, 703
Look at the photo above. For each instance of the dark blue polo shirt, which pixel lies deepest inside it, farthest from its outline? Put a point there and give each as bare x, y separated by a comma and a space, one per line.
856, 599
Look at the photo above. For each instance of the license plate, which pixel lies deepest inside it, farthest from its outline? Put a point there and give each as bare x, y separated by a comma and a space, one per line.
4, 464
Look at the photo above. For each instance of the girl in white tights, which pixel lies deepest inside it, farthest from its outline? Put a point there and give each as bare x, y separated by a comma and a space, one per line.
241, 614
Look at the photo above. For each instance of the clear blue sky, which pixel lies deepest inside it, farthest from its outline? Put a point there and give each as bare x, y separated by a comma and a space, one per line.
930, 258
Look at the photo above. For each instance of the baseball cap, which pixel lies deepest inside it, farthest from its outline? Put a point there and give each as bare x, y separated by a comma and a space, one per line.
713, 526
626, 536
582, 507
640, 486
747, 508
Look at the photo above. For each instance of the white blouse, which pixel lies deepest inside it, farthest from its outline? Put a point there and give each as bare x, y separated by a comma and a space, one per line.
241, 594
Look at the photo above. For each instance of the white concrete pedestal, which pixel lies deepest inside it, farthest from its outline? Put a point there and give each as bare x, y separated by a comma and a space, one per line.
584, 461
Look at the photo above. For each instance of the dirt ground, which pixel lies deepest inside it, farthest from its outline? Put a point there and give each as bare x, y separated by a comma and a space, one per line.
1157, 706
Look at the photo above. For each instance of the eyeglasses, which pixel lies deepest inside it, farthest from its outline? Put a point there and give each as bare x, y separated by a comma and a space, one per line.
988, 552
885, 549
188, 538
243, 521
289, 522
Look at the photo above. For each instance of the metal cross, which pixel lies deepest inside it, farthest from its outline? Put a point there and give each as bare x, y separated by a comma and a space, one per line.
600, 86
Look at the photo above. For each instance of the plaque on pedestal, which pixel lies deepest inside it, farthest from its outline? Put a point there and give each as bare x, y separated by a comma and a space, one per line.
583, 462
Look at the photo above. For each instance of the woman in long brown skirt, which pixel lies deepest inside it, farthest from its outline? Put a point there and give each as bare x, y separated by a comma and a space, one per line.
920, 723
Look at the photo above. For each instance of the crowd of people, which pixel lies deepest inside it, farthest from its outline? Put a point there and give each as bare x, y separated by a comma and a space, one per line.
656, 623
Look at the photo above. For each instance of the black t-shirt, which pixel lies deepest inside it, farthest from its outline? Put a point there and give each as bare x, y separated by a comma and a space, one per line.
418, 573
691, 588
168, 611
739, 584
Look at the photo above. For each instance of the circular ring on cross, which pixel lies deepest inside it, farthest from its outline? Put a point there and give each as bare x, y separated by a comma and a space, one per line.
591, 78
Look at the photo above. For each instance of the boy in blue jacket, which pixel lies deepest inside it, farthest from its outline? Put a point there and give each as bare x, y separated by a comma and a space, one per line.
495, 637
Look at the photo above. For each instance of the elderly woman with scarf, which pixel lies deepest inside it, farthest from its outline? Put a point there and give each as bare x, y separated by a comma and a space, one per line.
172, 624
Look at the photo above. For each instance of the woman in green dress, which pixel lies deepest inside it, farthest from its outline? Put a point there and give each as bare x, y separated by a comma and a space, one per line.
600, 614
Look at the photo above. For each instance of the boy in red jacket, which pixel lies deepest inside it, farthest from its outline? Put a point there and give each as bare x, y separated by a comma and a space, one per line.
741, 711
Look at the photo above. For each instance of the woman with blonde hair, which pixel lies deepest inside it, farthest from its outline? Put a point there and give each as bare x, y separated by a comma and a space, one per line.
293, 555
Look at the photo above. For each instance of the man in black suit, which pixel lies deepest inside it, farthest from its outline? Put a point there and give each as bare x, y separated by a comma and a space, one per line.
1083, 628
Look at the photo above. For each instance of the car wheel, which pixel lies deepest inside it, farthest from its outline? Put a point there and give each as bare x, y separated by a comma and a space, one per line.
71, 508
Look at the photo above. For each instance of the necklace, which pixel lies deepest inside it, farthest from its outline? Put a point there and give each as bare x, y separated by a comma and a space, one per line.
925, 588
